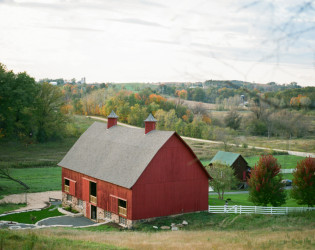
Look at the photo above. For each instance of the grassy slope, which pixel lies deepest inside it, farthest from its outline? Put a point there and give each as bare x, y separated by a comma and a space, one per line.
5, 207
38, 179
30, 240
204, 231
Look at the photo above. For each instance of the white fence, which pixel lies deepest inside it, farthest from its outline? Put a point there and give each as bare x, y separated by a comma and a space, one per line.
256, 209
287, 171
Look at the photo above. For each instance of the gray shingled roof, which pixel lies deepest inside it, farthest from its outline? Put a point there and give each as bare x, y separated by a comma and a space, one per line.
117, 155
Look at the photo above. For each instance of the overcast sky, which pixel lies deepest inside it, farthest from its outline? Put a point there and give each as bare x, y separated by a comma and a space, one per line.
156, 41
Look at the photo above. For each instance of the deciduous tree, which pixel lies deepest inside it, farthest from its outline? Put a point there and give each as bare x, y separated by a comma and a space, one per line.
223, 178
304, 182
265, 183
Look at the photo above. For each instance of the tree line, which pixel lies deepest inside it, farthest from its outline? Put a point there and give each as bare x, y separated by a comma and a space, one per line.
29, 111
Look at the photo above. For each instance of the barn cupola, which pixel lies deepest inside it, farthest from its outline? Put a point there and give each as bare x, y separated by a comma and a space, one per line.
149, 124
111, 120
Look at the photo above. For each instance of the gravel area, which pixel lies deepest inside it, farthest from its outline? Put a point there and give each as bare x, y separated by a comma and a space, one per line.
34, 200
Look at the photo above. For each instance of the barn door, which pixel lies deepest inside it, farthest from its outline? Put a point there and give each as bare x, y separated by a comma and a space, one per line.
88, 213
114, 204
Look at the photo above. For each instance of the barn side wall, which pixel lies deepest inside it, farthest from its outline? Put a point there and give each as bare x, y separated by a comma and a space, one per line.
239, 166
107, 193
173, 183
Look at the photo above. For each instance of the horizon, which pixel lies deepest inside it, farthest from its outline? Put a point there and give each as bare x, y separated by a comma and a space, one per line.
149, 41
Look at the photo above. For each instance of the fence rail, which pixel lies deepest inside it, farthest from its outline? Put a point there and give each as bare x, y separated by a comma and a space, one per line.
287, 171
256, 209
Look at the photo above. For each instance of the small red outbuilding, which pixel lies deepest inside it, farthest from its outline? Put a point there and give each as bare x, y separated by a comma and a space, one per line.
129, 174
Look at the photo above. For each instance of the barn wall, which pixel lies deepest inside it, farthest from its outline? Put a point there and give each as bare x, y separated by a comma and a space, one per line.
173, 183
240, 165
105, 191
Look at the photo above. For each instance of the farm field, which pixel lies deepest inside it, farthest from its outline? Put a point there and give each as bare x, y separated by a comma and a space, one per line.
242, 199
286, 161
204, 231
38, 179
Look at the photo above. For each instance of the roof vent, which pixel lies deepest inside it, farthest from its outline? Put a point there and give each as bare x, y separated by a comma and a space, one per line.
111, 120
149, 124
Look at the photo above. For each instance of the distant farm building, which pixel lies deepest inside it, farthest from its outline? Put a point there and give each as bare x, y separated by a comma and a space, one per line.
236, 161
129, 174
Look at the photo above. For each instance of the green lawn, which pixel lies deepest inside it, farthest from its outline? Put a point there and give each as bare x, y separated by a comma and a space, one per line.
38, 179
242, 199
208, 221
36, 215
6, 207
286, 161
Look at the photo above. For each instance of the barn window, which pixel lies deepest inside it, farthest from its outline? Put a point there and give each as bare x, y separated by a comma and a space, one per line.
122, 207
80, 203
67, 185
108, 214
69, 198
93, 192
122, 221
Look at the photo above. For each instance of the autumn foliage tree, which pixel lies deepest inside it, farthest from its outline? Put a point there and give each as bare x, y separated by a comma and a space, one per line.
304, 182
265, 183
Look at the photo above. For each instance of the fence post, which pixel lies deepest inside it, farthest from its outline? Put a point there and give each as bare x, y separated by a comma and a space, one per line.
240, 209
271, 210
255, 209
286, 210
235, 209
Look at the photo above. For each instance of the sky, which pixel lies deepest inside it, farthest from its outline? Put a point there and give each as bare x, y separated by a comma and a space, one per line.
258, 41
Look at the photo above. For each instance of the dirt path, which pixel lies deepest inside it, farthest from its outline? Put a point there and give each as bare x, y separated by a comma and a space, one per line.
34, 200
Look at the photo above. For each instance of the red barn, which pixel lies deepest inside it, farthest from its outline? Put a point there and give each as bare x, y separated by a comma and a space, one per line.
127, 174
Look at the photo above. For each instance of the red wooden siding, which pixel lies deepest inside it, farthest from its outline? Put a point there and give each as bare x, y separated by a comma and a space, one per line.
240, 166
172, 183
72, 188
114, 205
104, 191
85, 188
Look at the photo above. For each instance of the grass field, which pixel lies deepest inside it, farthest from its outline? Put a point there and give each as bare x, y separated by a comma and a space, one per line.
206, 151
31, 240
5, 207
204, 231
242, 199
38, 179
286, 161
19, 155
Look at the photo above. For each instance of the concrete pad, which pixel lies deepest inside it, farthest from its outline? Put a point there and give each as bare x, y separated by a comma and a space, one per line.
66, 221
